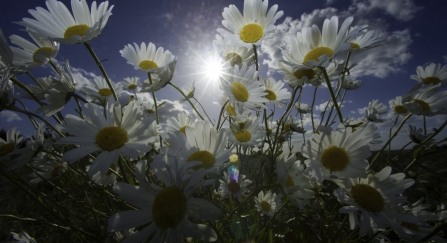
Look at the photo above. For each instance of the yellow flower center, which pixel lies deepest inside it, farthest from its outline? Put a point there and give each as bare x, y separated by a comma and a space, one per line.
203, 156
241, 125
190, 94
45, 51
431, 80
286, 127
105, 92
233, 58
314, 54
309, 73
367, 197
79, 30
243, 136
424, 105
239, 91
150, 111
233, 187
55, 171
289, 182
251, 33
269, 131
411, 226
335, 158
230, 110
234, 158
111, 138
169, 207
354, 45
265, 206
270, 94
183, 130
112, 167
132, 86
147, 64
400, 109
6, 149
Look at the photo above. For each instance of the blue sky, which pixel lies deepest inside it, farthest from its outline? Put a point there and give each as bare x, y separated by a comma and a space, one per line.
413, 30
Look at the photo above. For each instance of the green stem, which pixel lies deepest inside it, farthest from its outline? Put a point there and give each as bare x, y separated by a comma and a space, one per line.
221, 113
103, 71
34, 79
331, 91
255, 51
157, 119
192, 105
312, 110
203, 110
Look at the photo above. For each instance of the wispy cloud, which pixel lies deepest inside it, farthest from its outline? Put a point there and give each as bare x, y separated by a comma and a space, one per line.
9, 116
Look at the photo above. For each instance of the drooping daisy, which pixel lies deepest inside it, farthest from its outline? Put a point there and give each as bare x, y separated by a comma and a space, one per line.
432, 74
29, 55
160, 80
247, 133
302, 108
291, 124
147, 58
237, 111
253, 26
47, 167
233, 54
23, 237
276, 94
267, 203
241, 86
352, 84
11, 145
295, 184
299, 76
131, 83
341, 153
314, 48
165, 209
397, 106
374, 110
374, 197
107, 179
58, 24
188, 90
426, 101
6, 57
366, 41
7, 96
202, 143
417, 135
183, 121
98, 91
234, 185
38, 90
111, 135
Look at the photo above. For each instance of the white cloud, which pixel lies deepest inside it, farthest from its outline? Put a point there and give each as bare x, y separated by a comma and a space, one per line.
169, 109
403, 10
9, 116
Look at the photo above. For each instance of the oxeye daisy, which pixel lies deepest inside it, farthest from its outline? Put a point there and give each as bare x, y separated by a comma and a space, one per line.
188, 90
351, 84
6, 57
110, 135
39, 90
29, 55
98, 91
232, 54
23, 237
147, 58
202, 143
373, 198
397, 106
267, 203
58, 24
253, 26
183, 121
241, 86
165, 210
11, 145
131, 83
107, 179
427, 101
341, 153
417, 134
47, 167
365, 41
276, 94
160, 80
234, 185
247, 133
313, 48
237, 111
295, 184
432, 74
302, 108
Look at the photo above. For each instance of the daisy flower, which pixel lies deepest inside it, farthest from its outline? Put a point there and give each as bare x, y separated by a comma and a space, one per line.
267, 203
131, 83
237, 111
107, 179
247, 133
29, 55
233, 55
432, 74
7, 96
341, 153
58, 24
377, 107
165, 210
202, 143
98, 91
234, 185
183, 121
38, 91
417, 135
110, 135
23, 237
374, 197
291, 124
295, 184
366, 41
253, 26
11, 145
302, 108
47, 167
275, 91
147, 58
352, 84
160, 80
188, 90
241, 86
426, 101
6, 57
397, 106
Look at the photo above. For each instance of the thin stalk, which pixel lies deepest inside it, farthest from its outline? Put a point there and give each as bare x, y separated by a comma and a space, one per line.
331, 91
103, 71
34, 79
203, 110
156, 108
220, 115
192, 105
29, 117
389, 135
312, 110
425, 126
255, 51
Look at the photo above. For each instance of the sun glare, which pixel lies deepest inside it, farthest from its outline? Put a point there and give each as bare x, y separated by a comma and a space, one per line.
213, 69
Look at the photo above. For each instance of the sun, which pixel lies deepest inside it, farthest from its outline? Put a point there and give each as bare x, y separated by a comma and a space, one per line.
213, 68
